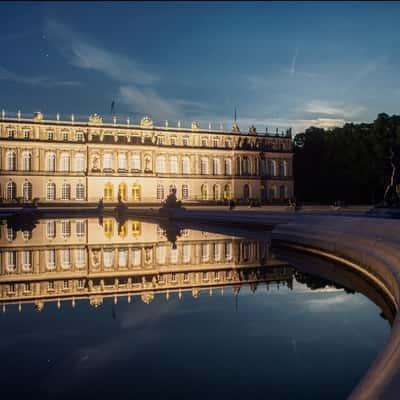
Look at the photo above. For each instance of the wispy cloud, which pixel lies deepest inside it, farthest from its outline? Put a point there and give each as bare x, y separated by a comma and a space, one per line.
82, 53
294, 58
34, 80
329, 109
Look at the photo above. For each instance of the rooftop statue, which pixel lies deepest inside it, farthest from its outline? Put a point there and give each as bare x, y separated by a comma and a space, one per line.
195, 125
95, 119
146, 122
38, 116
392, 193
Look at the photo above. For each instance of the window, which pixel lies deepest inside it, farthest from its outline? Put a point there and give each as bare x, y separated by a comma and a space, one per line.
215, 166
81, 284
80, 191
281, 168
185, 165
203, 142
80, 229
204, 252
204, 192
228, 144
65, 229
66, 191
65, 258
160, 254
108, 192
26, 260
172, 188
122, 191
50, 285
204, 166
11, 257
108, 227
27, 191
50, 135
215, 142
79, 136
228, 250
245, 166
11, 133
11, 161
160, 192
227, 192
107, 162
27, 134
27, 235
186, 277
27, 287
173, 277
26, 161
217, 251
173, 141
122, 257
122, 165
51, 191
160, 140
185, 192
216, 275
216, 192
185, 141
80, 257
64, 162
50, 259
108, 258
11, 191
173, 169
205, 276
174, 256
160, 164
51, 229
228, 167
79, 162
135, 163
136, 192
136, 228
65, 136
65, 284
50, 162
271, 167
186, 252
136, 257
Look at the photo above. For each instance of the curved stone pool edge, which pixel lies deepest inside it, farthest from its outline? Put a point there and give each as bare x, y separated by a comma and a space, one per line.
366, 244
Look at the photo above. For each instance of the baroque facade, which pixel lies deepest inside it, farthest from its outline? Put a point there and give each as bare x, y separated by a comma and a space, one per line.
54, 160
71, 259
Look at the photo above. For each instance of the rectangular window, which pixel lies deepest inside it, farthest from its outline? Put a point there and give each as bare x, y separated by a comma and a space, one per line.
173, 278
65, 229
160, 140
186, 277
11, 260
80, 229
204, 252
26, 134
185, 141
79, 136
81, 284
26, 260
173, 141
215, 142
51, 229
50, 135
65, 258
185, 192
65, 136
50, 259
65, 285
203, 142
11, 133
80, 257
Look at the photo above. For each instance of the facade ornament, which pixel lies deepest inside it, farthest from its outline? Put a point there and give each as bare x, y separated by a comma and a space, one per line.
235, 128
96, 301
147, 297
146, 122
95, 119
39, 305
38, 116
195, 125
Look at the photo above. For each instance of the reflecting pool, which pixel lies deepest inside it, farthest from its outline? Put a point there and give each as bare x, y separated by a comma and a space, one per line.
100, 308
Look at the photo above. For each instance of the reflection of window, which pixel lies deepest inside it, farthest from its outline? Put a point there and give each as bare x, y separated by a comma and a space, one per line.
108, 227
186, 253
122, 257
80, 257
135, 228
11, 257
108, 258
50, 259
136, 257
160, 254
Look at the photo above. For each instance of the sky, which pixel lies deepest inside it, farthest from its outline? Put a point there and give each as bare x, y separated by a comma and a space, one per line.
281, 64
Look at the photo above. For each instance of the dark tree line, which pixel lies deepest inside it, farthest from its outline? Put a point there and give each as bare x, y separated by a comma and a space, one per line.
350, 163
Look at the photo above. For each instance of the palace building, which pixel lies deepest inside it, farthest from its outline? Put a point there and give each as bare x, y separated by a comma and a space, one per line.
54, 161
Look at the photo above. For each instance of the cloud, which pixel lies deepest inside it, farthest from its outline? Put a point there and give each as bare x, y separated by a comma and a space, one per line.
81, 53
329, 302
326, 108
293, 66
34, 80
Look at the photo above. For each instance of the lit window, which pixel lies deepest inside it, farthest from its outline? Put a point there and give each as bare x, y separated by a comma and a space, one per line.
136, 192
135, 228
108, 192
108, 227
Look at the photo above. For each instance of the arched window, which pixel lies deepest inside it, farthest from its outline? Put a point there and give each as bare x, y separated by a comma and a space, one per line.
66, 191
215, 165
79, 162
122, 191
204, 192
11, 191
80, 191
185, 165
107, 162
246, 191
173, 165
51, 191
122, 164
27, 161
27, 191
204, 166
11, 161
228, 166
271, 168
227, 192
185, 192
108, 192
136, 192
160, 192
135, 163
216, 192
160, 164
64, 162
50, 162
171, 188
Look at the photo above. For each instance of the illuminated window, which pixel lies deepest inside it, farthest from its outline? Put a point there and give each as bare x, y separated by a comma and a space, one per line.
136, 192
108, 227
122, 191
136, 228
204, 192
227, 192
108, 191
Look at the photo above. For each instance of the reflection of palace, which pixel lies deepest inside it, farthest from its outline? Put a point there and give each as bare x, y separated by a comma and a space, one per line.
70, 160
77, 258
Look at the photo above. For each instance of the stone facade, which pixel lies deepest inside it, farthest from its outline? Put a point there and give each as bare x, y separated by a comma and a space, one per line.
83, 162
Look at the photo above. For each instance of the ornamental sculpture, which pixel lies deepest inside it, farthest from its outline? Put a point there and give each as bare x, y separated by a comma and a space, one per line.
95, 119
146, 122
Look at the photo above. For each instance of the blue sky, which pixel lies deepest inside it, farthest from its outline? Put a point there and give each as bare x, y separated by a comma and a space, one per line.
281, 64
